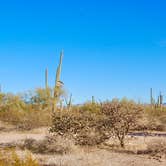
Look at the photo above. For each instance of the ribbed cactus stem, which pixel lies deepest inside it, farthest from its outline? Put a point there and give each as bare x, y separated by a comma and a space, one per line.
151, 97
93, 100
70, 101
46, 78
158, 101
161, 98
58, 73
58, 83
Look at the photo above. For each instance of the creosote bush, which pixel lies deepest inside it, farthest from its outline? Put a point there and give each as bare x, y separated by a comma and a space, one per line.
121, 116
82, 126
27, 111
153, 119
88, 127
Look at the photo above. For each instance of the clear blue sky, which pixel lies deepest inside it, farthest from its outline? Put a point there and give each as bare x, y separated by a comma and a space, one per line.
112, 48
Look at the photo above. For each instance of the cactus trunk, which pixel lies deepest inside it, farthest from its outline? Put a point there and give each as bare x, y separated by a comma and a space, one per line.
46, 78
58, 83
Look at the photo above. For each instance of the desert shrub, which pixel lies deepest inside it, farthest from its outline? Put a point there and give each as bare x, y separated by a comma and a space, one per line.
121, 116
11, 102
26, 120
50, 145
24, 112
10, 158
156, 149
89, 127
85, 127
90, 107
152, 119
149, 124
34, 119
41, 99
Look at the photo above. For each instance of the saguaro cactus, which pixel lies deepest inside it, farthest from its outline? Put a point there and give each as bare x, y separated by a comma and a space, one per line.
58, 83
69, 103
93, 100
46, 78
161, 98
151, 96
158, 101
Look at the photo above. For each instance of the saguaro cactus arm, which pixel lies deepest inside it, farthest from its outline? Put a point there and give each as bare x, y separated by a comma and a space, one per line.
58, 83
58, 73
69, 103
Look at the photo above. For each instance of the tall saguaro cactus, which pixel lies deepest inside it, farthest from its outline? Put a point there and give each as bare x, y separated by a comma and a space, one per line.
151, 96
58, 73
58, 82
152, 100
160, 101
46, 78
93, 100
161, 98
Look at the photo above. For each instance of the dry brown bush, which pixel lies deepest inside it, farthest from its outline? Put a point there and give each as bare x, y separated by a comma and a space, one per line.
156, 149
94, 127
85, 127
149, 124
50, 145
122, 116
153, 119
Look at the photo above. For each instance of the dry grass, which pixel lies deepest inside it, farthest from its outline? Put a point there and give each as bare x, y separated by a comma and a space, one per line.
62, 152
50, 145
98, 157
157, 148
11, 158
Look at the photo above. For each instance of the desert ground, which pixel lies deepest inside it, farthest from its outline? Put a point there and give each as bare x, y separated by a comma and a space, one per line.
104, 155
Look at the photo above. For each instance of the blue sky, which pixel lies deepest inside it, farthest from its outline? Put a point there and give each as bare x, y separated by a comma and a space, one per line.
112, 48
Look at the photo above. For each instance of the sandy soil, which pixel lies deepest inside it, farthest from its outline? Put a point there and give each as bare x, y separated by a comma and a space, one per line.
87, 156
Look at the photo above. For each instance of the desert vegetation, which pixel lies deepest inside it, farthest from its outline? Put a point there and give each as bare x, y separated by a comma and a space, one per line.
11, 158
89, 125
